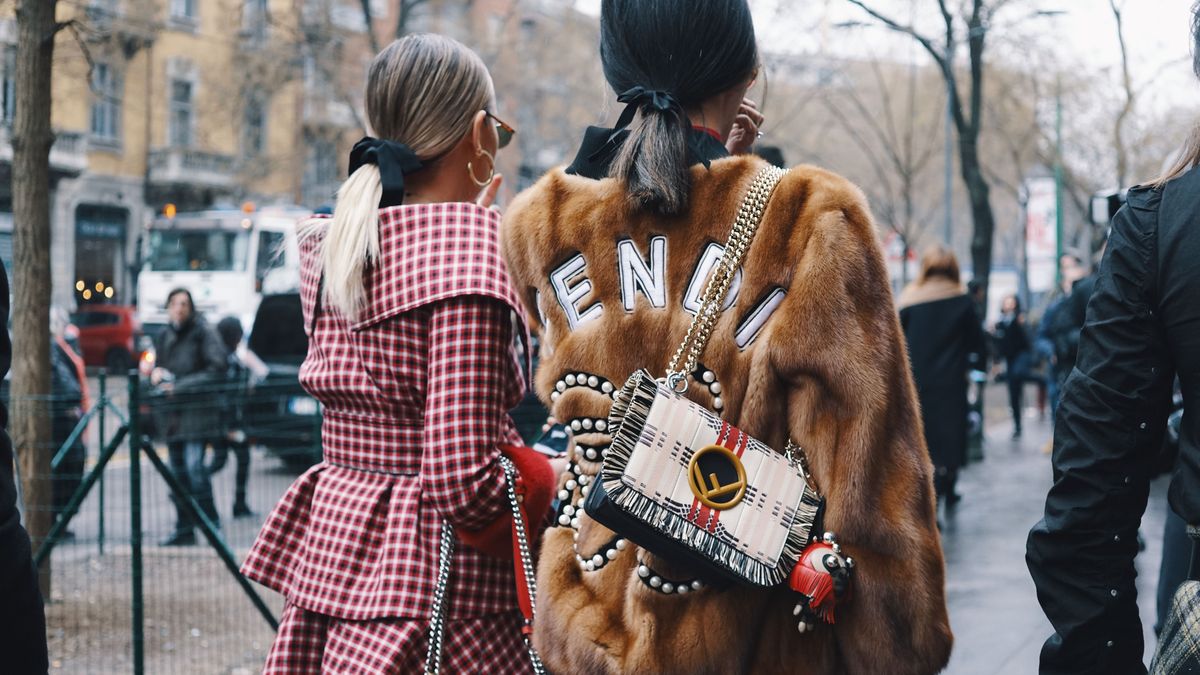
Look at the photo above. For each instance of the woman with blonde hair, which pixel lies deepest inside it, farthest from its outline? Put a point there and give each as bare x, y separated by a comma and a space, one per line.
612, 255
945, 340
412, 326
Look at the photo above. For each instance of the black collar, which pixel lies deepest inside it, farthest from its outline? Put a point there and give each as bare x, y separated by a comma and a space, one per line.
703, 148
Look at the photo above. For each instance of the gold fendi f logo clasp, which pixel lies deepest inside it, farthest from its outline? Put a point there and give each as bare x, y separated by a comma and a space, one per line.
717, 477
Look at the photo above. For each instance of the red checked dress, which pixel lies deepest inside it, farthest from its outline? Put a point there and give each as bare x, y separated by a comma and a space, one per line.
415, 394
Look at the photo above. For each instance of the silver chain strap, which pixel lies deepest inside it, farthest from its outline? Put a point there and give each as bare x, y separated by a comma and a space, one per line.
748, 218
510, 475
437, 622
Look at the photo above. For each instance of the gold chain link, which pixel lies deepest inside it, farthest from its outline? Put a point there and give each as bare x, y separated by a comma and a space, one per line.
748, 218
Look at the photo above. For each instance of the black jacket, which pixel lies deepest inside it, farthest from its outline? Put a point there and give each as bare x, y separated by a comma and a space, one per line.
945, 340
22, 620
1142, 327
1067, 323
1012, 339
195, 356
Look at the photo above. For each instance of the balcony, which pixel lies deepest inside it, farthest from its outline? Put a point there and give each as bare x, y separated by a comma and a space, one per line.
68, 155
184, 166
323, 112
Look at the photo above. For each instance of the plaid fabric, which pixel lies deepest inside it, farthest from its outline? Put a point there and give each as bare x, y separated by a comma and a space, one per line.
1179, 643
313, 643
415, 398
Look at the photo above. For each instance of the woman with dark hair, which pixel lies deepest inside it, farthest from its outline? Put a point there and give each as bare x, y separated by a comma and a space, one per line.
1013, 345
1142, 330
189, 365
945, 340
611, 254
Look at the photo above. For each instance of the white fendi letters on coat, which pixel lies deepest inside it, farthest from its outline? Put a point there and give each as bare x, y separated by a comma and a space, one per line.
572, 286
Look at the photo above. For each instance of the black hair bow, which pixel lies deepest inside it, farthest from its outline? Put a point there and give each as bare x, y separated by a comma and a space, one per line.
636, 98
394, 160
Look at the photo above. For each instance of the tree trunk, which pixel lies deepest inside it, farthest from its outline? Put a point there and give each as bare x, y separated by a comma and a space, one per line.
983, 218
31, 140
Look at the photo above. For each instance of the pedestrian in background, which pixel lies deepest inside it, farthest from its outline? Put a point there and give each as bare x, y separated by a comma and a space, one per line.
1057, 337
233, 404
1142, 329
1012, 344
22, 614
189, 366
945, 341
411, 320
68, 394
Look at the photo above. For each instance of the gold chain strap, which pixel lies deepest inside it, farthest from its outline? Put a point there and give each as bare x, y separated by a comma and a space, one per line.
748, 218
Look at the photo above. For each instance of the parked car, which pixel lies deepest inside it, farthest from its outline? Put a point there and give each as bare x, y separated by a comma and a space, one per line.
279, 414
109, 335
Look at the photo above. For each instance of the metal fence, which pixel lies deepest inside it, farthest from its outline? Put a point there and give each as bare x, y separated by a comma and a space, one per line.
120, 601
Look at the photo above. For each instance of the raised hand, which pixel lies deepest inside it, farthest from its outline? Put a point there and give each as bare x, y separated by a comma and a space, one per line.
745, 128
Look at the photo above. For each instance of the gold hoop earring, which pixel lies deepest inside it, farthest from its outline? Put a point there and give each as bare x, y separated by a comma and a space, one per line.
491, 174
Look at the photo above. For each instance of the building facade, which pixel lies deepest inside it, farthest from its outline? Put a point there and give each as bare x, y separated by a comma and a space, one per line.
212, 103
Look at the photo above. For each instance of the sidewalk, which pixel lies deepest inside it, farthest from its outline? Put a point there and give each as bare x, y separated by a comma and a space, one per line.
998, 624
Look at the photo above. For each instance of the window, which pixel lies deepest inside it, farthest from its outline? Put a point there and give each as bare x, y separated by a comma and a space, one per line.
181, 114
270, 254
197, 251
254, 21
94, 319
183, 9
107, 87
254, 132
8, 86
101, 10
322, 162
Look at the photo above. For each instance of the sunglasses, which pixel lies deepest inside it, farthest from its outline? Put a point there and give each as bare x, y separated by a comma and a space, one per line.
504, 130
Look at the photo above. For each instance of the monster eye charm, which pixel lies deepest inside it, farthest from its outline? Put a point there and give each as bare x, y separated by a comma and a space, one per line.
821, 577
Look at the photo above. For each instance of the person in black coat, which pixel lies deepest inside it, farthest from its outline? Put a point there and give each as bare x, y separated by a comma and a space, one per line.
1142, 330
233, 436
1013, 345
22, 616
945, 340
66, 409
189, 371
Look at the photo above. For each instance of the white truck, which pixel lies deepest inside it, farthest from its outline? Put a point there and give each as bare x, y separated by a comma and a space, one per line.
227, 258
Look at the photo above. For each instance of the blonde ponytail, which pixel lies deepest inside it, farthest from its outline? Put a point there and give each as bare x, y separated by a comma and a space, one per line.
352, 241
423, 91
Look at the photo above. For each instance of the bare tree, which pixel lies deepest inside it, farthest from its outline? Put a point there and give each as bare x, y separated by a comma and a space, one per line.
898, 136
976, 16
369, 20
404, 15
31, 140
1119, 144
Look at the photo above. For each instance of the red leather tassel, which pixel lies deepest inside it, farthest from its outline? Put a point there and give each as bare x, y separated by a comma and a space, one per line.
815, 585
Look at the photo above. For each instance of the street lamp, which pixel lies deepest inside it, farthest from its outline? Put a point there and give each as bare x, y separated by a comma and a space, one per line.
1058, 157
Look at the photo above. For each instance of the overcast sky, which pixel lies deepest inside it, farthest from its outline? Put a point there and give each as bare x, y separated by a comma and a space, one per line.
1156, 32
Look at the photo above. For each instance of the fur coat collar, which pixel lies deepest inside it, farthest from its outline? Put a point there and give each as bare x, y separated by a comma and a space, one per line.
930, 290
809, 348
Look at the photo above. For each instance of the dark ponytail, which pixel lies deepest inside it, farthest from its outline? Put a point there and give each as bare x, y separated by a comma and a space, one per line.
690, 50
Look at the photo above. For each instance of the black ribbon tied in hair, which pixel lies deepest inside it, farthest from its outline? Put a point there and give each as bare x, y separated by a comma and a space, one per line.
395, 160
642, 98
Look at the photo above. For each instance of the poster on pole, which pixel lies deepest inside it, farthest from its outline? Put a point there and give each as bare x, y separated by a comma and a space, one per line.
1041, 234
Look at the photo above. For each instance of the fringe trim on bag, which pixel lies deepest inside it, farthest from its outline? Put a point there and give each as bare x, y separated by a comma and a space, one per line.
626, 421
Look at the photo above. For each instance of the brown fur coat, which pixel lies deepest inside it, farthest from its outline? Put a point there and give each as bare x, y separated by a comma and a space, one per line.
828, 369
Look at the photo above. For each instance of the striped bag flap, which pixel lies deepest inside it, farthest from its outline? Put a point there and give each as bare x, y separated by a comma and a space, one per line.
706, 484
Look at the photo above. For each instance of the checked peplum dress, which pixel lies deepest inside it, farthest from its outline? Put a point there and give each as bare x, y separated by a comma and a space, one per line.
415, 395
